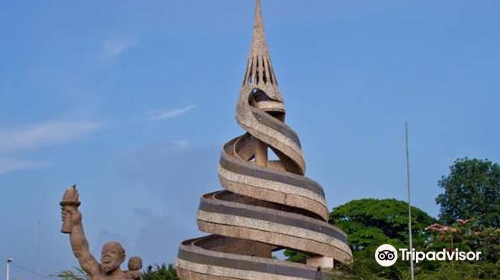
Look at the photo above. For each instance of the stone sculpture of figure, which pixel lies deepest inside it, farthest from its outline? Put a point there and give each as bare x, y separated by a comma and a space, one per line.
112, 253
134, 269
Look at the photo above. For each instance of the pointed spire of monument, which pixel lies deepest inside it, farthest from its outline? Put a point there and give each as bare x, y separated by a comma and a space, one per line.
259, 44
259, 72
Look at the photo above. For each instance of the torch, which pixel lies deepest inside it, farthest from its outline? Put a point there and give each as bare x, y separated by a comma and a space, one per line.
70, 198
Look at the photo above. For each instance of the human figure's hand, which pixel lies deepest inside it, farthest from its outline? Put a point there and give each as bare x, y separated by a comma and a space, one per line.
71, 214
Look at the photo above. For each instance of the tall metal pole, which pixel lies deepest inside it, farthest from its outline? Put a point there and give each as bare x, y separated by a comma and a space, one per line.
39, 251
409, 200
9, 260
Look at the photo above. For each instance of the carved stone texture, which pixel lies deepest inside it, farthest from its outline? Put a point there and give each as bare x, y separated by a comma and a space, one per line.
112, 254
267, 205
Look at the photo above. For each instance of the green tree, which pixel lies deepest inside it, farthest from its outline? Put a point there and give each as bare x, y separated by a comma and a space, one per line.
471, 190
73, 274
370, 223
160, 272
462, 271
488, 242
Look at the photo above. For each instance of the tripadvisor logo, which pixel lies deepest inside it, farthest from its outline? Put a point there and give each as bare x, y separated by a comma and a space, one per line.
387, 255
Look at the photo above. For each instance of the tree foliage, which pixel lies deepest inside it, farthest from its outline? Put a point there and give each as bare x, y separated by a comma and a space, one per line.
471, 190
371, 221
462, 271
73, 274
160, 272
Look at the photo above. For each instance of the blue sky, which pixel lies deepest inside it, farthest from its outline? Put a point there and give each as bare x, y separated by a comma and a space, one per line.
132, 100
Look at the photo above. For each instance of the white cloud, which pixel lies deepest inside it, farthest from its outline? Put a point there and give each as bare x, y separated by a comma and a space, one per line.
114, 47
11, 165
42, 135
169, 114
180, 144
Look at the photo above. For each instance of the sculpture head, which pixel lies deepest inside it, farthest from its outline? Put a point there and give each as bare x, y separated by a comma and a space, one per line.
135, 263
112, 256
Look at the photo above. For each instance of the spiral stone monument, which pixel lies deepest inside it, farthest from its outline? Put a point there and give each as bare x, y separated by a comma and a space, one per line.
266, 205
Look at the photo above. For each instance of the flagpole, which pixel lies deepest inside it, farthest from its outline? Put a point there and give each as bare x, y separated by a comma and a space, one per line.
409, 200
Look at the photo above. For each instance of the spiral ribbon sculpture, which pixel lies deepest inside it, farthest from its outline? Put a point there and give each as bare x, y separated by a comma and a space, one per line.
267, 205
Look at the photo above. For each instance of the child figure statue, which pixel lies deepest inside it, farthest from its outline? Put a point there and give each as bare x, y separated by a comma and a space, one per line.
134, 269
